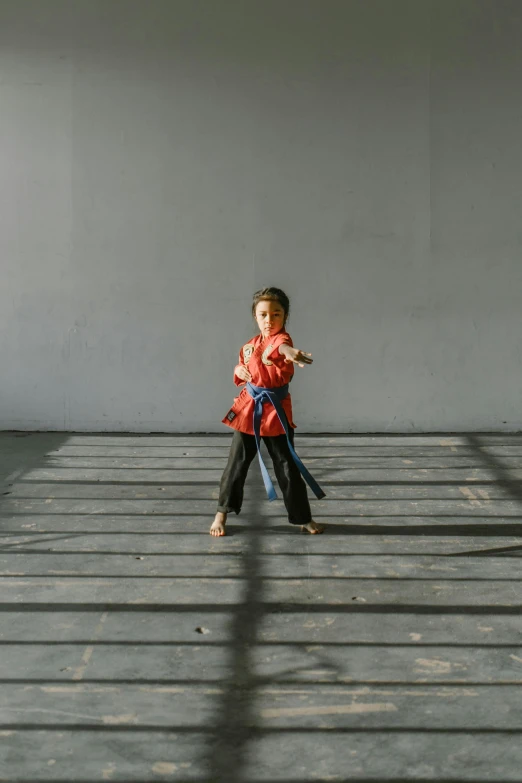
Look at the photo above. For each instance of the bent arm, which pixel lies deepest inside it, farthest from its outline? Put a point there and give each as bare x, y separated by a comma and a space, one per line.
241, 371
241, 374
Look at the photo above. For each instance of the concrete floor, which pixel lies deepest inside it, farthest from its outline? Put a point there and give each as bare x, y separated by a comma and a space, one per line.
136, 647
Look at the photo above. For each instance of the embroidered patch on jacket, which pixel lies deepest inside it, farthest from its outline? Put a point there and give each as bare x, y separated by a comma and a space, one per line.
248, 350
231, 415
266, 354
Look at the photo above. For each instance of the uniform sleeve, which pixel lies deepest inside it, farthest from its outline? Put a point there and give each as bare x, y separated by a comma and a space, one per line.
285, 340
284, 369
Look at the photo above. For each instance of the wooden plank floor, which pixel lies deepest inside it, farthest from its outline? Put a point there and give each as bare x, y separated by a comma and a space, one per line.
134, 646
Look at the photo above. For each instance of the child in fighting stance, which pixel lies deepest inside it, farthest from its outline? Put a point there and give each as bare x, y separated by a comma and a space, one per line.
263, 409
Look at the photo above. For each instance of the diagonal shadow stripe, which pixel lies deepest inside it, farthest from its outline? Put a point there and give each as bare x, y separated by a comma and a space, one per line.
234, 720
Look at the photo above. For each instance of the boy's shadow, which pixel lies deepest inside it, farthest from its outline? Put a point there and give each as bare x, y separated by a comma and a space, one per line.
343, 530
423, 531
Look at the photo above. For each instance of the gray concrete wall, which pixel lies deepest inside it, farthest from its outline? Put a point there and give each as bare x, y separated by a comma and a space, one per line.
162, 159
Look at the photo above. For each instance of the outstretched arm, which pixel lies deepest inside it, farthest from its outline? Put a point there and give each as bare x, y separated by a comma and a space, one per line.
295, 355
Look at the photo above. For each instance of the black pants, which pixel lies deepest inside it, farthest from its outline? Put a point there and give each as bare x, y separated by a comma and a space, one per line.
242, 452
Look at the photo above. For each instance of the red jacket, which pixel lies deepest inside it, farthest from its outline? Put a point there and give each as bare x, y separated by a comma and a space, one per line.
267, 368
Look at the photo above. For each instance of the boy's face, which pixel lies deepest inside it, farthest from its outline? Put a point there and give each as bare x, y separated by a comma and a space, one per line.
270, 317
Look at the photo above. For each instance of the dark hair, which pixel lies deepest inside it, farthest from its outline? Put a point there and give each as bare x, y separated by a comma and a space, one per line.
272, 295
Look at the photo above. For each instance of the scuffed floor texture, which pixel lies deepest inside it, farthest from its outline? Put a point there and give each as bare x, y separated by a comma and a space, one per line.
135, 647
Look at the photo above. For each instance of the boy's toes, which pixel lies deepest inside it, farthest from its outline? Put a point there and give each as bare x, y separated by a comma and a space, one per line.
313, 528
218, 525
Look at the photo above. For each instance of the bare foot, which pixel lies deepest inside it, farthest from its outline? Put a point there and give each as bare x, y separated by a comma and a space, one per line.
312, 527
218, 525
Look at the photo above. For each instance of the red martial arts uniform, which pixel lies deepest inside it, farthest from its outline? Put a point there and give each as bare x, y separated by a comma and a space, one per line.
268, 368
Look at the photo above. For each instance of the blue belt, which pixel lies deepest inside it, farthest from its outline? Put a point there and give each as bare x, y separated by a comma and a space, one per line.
261, 394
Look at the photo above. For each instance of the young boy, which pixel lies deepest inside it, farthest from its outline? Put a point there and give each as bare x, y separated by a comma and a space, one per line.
262, 409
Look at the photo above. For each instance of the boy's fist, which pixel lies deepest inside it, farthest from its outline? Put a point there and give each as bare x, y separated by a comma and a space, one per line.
295, 355
242, 372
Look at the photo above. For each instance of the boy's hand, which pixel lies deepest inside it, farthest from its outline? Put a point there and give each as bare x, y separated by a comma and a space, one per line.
242, 372
295, 355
